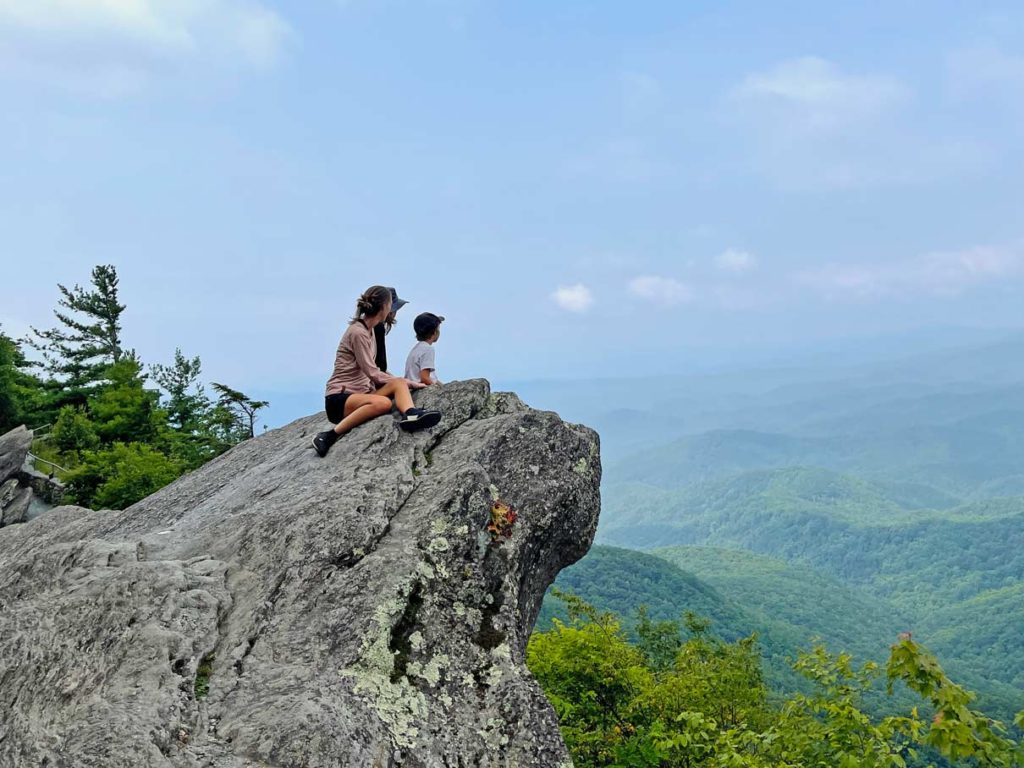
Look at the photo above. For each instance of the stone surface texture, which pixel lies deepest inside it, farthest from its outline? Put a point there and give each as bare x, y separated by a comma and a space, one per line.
14, 448
15, 496
15, 510
278, 609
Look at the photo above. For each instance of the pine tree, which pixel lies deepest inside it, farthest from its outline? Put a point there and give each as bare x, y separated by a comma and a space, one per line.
242, 411
88, 339
123, 410
187, 402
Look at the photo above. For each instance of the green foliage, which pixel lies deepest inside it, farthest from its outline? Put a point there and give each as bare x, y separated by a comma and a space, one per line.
88, 339
593, 677
187, 404
201, 686
123, 409
116, 439
741, 593
10, 407
199, 429
22, 395
620, 580
235, 413
658, 641
74, 433
828, 726
792, 605
956, 730
120, 475
620, 705
864, 566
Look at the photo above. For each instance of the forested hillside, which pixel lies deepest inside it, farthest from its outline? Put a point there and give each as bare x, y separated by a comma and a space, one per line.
888, 498
739, 593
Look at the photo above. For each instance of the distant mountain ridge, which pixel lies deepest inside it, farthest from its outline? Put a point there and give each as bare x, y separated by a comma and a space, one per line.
894, 476
962, 459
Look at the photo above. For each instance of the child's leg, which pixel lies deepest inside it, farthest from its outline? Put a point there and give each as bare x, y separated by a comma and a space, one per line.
360, 409
398, 389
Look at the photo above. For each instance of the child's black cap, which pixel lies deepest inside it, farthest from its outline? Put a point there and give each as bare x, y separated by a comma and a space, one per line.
426, 323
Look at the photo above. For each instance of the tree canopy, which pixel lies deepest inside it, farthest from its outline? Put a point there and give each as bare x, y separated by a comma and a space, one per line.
113, 433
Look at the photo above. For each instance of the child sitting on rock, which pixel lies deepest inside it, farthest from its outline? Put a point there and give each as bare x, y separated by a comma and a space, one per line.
358, 390
419, 366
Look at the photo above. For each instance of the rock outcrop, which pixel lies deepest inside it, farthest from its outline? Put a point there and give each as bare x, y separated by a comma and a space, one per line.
15, 495
278, 609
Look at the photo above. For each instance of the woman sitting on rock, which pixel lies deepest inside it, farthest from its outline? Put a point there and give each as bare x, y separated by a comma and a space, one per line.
358, 390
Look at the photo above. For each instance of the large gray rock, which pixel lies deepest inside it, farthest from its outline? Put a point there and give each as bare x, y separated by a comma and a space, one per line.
8, 490
47, 489
14, 447
15, 510
15, 499
278, 609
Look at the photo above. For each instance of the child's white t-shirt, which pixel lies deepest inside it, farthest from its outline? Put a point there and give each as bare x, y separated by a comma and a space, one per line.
421, 358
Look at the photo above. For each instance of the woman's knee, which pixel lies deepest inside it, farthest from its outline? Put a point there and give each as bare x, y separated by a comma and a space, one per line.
381, 405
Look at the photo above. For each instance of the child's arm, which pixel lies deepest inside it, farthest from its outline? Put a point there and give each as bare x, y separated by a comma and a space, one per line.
427, 368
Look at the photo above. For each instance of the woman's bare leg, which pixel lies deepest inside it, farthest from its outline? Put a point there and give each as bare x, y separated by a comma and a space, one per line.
398, 389
360, 409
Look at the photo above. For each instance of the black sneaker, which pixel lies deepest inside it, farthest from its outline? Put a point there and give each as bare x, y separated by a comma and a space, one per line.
323, 441
416, 418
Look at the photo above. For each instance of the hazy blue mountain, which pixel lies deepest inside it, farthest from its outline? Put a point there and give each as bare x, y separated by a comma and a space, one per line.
974, 457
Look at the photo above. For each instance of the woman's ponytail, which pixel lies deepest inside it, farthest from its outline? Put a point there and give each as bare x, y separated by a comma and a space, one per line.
372, 301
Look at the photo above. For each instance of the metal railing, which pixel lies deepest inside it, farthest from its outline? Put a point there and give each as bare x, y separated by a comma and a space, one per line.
58, 466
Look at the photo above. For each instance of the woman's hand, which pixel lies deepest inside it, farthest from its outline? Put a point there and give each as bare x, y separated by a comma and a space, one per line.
415, 384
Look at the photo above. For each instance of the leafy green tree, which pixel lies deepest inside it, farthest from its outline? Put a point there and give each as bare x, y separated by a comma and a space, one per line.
829, 726
88, 340
10, 407
622, 705
658, 641
956, 730
73, 433
722, 680
21, 393
118, 476
591, 674
123, 409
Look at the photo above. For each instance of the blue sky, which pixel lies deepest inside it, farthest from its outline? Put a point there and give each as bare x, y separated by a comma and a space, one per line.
581, 188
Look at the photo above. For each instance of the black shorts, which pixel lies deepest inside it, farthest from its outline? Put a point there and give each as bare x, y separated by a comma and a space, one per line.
335, 406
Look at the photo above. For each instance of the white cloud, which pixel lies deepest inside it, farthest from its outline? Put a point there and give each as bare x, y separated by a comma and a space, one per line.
812, 125
735, 261
573, 298
664, 290
813, 95
113, 46
944, 273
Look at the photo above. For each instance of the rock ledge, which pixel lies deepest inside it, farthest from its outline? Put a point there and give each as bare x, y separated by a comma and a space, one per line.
277, 609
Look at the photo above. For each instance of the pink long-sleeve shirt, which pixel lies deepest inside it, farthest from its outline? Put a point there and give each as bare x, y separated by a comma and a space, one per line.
354, 366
